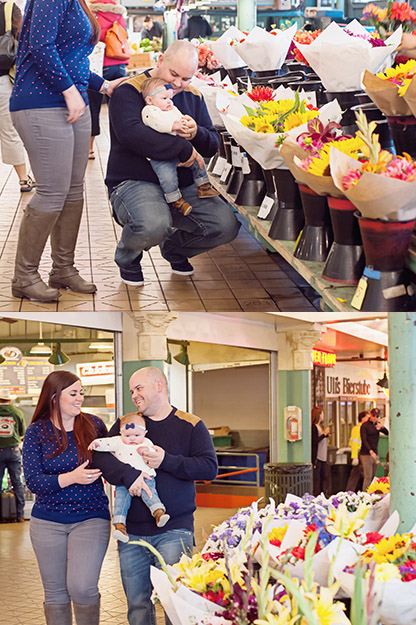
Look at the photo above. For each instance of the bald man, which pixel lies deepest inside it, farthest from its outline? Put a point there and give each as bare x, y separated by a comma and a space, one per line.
137, 199
183, 452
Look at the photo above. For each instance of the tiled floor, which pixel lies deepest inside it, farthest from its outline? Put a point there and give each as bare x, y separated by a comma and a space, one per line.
21, 597
240, 276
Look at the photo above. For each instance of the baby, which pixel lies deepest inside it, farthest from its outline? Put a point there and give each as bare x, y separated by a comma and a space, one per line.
132, 432
162, 115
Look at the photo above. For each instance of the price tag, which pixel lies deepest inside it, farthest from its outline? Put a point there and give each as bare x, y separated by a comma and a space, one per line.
245, 163
219, 166
265, 207
360, 291
394, 291
225, 172
236, 156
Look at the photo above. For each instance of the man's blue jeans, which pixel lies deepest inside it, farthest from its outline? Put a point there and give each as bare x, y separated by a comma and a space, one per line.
135, 565
167, 172
147, 220
122, 501
11, 459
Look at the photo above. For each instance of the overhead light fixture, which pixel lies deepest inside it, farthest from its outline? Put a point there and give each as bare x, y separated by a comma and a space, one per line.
2, 359
58, 357
168, 356
182, 357
40, 349
100, 344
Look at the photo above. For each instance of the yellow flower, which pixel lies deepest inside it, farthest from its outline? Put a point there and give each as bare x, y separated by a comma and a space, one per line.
385, 571
319, 166
388, 549
382, 484
345, 524
328, 612
282, 618
262, 125
297, 119
277, 534
404, 86
400, 71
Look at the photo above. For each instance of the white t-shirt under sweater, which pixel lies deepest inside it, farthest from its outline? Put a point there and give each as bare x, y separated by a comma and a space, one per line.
161, 121
126, 453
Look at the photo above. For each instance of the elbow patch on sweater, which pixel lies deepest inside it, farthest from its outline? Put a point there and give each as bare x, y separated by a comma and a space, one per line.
186, 416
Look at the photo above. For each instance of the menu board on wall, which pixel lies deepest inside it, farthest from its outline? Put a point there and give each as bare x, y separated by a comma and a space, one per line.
25, 376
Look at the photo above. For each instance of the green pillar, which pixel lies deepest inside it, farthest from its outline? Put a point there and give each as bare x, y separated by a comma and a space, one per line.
402, 383
129, 367
295, 390
246, 14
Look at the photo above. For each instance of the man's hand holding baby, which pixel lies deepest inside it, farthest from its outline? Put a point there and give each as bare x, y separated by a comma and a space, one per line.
152, 457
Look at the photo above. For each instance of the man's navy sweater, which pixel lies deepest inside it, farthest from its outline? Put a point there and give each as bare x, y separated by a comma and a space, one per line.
189, 456
132, 142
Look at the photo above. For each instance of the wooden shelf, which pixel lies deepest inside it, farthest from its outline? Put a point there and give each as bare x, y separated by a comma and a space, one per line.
335, 297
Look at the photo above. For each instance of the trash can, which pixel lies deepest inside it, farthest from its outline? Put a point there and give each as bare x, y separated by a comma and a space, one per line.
283, 478
340, 470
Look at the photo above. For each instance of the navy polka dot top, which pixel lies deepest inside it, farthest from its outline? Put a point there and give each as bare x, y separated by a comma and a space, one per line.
52, 55
73, 503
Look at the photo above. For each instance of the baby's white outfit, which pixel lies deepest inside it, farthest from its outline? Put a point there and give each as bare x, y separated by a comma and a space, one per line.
126, 453
161, 121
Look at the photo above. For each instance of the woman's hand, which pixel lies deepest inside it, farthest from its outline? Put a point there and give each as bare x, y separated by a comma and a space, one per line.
80, 475
74, 103
138, 485
326, 431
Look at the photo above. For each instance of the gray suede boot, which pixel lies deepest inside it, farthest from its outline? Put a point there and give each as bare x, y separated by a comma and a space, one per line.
58, 614
34, 230
63, 241
87, 614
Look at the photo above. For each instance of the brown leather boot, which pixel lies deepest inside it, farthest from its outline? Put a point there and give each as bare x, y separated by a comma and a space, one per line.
63, 241
35, 228
161, 517
206, 190
182, 206
87, 614
120, 533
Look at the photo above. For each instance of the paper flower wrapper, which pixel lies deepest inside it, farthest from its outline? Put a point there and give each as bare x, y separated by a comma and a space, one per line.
357, 55
224, 52
385, 95
183, 607
292, 154
398, 599
210, 94
378, 515
262, 146
263, 51
375, 196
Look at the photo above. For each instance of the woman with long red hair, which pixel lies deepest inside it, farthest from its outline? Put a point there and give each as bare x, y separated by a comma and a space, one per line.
49, 108
70, 523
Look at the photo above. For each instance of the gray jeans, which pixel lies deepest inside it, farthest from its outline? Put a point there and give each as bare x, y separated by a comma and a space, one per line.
369, 469
58, 154
69, 558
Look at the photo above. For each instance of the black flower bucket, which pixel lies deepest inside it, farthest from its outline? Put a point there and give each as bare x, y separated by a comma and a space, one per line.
289, 218
316, 237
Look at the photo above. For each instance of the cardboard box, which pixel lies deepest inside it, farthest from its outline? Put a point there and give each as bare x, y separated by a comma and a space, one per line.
141, 59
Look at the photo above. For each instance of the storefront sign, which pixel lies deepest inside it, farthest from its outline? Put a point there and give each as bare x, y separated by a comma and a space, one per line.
94, 373
323, 359
352, 381
24, 376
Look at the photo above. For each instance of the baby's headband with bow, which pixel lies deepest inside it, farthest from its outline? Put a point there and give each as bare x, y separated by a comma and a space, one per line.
159, 89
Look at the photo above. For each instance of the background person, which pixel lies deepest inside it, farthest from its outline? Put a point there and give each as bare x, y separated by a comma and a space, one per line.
319, 452
49, 110
107, 12
151, 29
70, 524
370, 434
356, 474
137, 199
12, 429
198, 26
12, 150
184, 453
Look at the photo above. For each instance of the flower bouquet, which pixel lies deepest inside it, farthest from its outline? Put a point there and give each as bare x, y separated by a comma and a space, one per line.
393, 91
206, 58
391, 561
380, 185
386, 20
379, 485
305, 37
225, 53
262, 50
357, 53
210, 90
259, 129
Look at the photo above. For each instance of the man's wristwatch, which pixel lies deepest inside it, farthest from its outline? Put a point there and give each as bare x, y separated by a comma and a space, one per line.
105, 87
